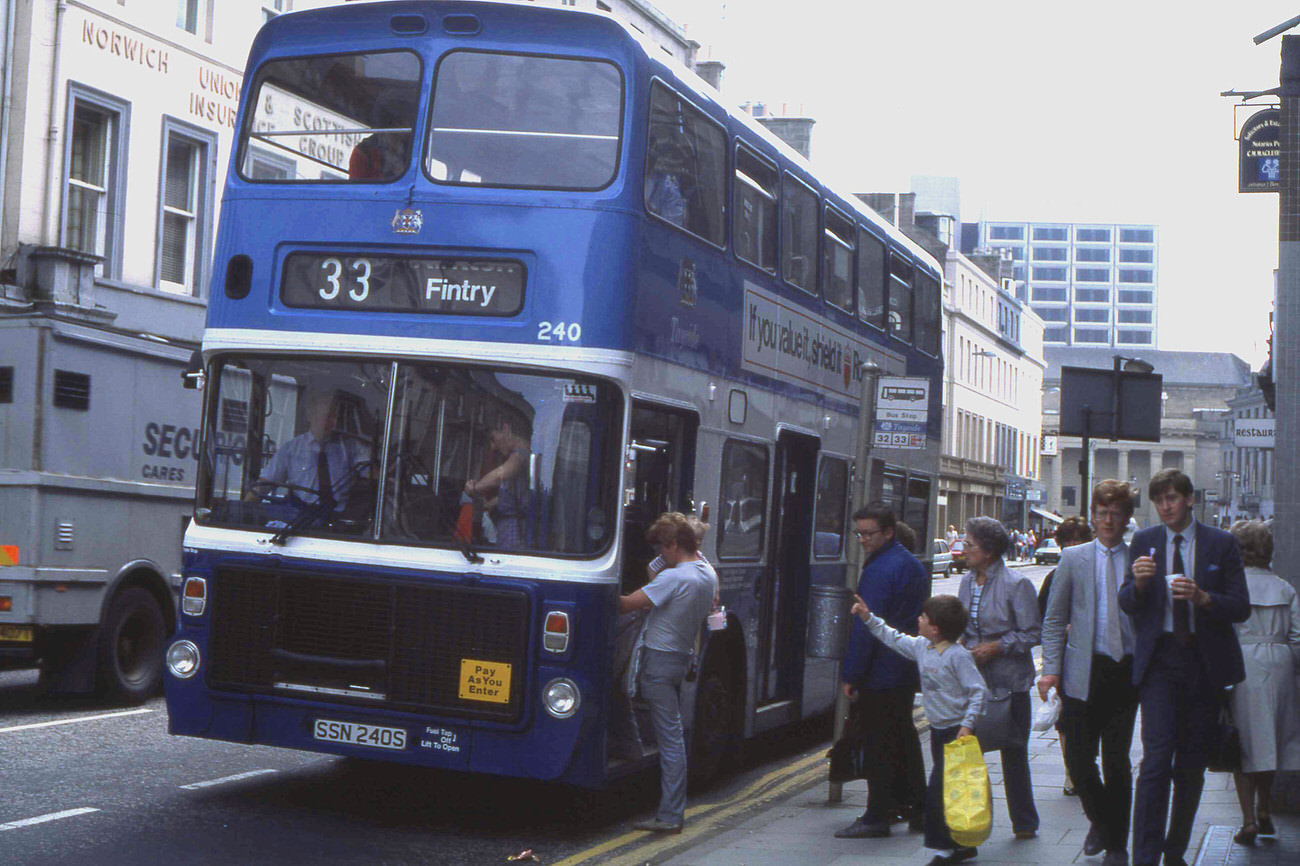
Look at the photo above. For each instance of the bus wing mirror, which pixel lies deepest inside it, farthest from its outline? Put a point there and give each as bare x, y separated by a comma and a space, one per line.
193, 377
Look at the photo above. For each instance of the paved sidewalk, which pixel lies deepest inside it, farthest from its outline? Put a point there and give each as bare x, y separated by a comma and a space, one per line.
800, 830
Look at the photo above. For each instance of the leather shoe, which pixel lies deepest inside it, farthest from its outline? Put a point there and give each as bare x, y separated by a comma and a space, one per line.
861, 829
1266, 827
1026, 834
1115, 858
955, 857
1094, 844
657, 826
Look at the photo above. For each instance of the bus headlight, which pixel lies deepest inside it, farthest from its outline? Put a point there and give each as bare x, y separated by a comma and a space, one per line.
183, 659
561, 698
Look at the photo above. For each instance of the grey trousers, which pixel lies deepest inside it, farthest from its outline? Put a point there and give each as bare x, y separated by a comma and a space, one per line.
661, 680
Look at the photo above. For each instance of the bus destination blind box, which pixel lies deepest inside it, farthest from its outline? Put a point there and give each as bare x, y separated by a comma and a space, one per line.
404, 284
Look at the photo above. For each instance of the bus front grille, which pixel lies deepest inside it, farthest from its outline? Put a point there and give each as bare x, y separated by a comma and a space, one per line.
401, 645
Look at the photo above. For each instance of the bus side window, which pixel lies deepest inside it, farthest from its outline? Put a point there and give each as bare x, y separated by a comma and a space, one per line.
799, 241
686, 166
742, 502
754, 210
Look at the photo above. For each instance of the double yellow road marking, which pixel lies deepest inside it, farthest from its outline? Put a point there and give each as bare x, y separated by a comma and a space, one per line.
707, 817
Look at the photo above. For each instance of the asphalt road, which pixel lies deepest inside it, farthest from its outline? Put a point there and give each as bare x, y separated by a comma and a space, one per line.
84, 782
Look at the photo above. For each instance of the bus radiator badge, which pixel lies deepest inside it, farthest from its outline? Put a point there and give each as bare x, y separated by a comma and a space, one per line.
408, 221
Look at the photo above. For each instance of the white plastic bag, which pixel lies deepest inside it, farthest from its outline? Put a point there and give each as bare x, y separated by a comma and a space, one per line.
1048, 712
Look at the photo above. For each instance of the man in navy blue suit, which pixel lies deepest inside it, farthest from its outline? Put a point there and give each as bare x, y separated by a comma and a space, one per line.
1184, 589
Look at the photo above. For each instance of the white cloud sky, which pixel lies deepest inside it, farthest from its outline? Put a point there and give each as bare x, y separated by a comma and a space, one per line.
1105, 111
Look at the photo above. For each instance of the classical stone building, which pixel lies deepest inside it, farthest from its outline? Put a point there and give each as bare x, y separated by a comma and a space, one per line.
1193, 412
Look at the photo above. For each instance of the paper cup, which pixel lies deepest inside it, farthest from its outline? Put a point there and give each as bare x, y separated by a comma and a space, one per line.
1169, 581
718, 619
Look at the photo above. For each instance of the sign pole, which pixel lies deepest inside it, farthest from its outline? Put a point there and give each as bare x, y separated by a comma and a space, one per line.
866, 418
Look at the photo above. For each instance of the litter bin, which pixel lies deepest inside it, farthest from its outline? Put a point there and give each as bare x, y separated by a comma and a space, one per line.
828, 621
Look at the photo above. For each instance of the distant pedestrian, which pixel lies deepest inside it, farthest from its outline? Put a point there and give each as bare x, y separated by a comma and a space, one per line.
881, 684
1001, 632
951, 535
1185, 654
1094, 671
952, 694
1265, 705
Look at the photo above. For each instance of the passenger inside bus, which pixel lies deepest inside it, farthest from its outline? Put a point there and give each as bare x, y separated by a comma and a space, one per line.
381, 156
665, 180
506, 487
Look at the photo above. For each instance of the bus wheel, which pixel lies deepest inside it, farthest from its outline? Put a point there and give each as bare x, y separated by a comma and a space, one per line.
131, 647
714, 739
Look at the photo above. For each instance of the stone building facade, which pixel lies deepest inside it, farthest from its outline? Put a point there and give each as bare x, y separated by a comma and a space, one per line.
1194, 408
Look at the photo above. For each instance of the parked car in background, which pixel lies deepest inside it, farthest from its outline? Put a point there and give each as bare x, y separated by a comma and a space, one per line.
958, 551
941, 563
1048, 552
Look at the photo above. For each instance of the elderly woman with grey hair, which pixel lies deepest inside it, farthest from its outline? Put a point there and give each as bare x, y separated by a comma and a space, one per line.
1266, 705
1003, 628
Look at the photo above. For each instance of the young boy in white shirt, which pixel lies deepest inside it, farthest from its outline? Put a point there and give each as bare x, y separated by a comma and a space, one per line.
952, 694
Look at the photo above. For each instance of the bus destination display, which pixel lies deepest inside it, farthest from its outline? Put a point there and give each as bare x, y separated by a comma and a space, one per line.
402, 284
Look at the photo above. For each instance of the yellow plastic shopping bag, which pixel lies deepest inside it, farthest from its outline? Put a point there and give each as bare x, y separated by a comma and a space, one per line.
967, 797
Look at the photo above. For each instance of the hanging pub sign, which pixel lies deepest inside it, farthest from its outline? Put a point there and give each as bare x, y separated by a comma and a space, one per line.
1261, 148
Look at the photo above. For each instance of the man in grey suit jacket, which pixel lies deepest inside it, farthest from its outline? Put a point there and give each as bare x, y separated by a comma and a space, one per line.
1088, 655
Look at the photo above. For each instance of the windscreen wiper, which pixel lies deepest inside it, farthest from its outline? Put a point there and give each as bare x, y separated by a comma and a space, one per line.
463, 540
310, 515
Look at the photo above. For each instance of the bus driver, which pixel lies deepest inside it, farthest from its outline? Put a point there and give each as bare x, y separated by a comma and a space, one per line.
318, 465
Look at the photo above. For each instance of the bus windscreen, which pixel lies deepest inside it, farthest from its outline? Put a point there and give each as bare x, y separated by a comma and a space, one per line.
470, 457
346, 117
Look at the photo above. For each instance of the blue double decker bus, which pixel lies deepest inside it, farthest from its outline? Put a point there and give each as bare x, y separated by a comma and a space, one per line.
496, 286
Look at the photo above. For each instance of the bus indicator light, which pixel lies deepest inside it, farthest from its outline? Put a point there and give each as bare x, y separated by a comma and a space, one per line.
194, 596
555, 638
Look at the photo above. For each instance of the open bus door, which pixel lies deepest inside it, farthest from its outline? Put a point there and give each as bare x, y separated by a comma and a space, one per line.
663, 442
783, 596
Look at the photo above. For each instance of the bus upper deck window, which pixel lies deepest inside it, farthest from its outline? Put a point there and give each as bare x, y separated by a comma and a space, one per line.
332, 117
523, 121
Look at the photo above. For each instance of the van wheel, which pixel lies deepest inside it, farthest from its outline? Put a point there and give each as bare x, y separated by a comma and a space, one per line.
715, 738
131, 648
